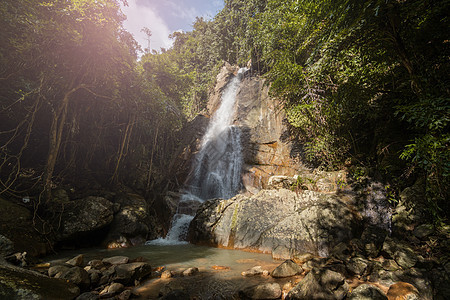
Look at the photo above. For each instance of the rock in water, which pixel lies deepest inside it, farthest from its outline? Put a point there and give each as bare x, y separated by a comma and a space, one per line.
116, 260
128, 273
190, 272
258, 270
85, 216
77, 261
278, 221
287, 269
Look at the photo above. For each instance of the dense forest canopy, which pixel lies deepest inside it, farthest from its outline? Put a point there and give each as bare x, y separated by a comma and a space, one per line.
364, 84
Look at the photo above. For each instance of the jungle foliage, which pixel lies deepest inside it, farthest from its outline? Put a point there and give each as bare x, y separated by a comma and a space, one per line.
364, 83
76, 105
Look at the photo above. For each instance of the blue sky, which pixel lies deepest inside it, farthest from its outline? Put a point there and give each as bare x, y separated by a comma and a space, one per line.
164, 17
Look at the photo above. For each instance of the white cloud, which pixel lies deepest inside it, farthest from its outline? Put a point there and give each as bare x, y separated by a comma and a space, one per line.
138, 17
186, 13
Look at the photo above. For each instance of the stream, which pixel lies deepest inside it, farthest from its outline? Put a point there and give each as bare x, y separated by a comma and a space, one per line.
209, 283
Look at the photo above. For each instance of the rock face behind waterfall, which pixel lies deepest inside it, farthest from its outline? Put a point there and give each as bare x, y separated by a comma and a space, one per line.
266, 149
282, 222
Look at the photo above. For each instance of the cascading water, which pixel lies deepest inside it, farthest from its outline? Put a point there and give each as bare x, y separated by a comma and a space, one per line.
216, 172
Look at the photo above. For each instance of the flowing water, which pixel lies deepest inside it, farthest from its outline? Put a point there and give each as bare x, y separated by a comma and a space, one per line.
216, 172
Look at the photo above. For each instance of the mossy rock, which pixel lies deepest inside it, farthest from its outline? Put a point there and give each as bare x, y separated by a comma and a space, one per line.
16, 223
22, 284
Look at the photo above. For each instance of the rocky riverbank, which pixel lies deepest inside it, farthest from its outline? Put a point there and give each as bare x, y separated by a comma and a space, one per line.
395, 269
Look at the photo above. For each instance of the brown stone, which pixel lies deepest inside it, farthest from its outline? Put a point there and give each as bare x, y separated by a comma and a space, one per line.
402, 290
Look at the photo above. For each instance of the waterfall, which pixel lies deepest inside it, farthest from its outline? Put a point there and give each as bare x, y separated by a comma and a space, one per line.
216, 171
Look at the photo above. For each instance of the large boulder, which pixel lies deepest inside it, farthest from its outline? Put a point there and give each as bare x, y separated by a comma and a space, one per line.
287, 269
128, 273
18, 231
85, 216
6, 246
132, 222
320, 284
78, 276
280, 222
16, 283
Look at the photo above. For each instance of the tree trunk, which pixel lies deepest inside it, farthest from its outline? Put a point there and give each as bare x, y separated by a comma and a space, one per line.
123, 146
55, 138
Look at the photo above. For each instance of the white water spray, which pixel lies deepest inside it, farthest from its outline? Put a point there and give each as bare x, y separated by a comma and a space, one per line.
216, 172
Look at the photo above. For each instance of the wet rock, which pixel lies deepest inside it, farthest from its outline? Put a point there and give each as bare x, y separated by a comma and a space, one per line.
287, 269
96, 263
77, 276
166, 274
128, 273
320, 284
190, 271
88, 296
403, 290
112, 289
258, 270
116, 260
357, 265
6, 246
278, 221
366, 292
84, 216
57, 271
77, 261
423, 230
263, 291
